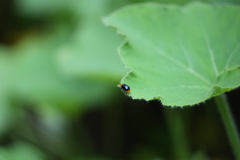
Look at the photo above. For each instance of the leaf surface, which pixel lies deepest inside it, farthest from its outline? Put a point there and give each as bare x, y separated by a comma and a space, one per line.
180, 55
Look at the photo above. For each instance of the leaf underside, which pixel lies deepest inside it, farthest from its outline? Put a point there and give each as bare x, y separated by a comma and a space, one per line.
181, 55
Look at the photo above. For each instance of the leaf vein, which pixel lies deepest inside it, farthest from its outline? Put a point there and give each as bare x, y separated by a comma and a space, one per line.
231, 55
177, 87
211, 53
185, 53
190, 70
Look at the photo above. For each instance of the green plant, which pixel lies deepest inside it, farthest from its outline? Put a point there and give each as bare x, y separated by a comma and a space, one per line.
59, 72
181, 55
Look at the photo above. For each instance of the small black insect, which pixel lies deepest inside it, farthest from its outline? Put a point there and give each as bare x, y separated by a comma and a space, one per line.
125, 88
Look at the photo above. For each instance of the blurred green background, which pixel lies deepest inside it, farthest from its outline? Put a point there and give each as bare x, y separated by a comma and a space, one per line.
59, 100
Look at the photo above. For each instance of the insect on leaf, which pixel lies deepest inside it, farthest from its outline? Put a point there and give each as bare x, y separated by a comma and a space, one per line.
181, 55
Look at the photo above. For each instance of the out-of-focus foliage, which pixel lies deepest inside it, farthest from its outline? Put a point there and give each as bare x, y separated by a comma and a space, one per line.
5, 114
59, 71
21, 151
36, 61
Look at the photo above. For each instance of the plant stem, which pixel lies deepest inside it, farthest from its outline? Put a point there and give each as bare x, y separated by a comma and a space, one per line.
229, 124
178, 133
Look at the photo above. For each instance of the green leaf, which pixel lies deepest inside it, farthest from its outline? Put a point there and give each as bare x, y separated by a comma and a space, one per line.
37, 78
180, 55
37, 8
21, 151
92, 50
7, 112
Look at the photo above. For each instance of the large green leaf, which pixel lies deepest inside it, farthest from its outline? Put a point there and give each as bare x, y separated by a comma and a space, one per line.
180, 55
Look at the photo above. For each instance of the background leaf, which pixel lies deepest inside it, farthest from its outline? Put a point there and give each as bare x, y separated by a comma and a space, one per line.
21, 151
181, 55
91, 52
31, 64
6, 110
